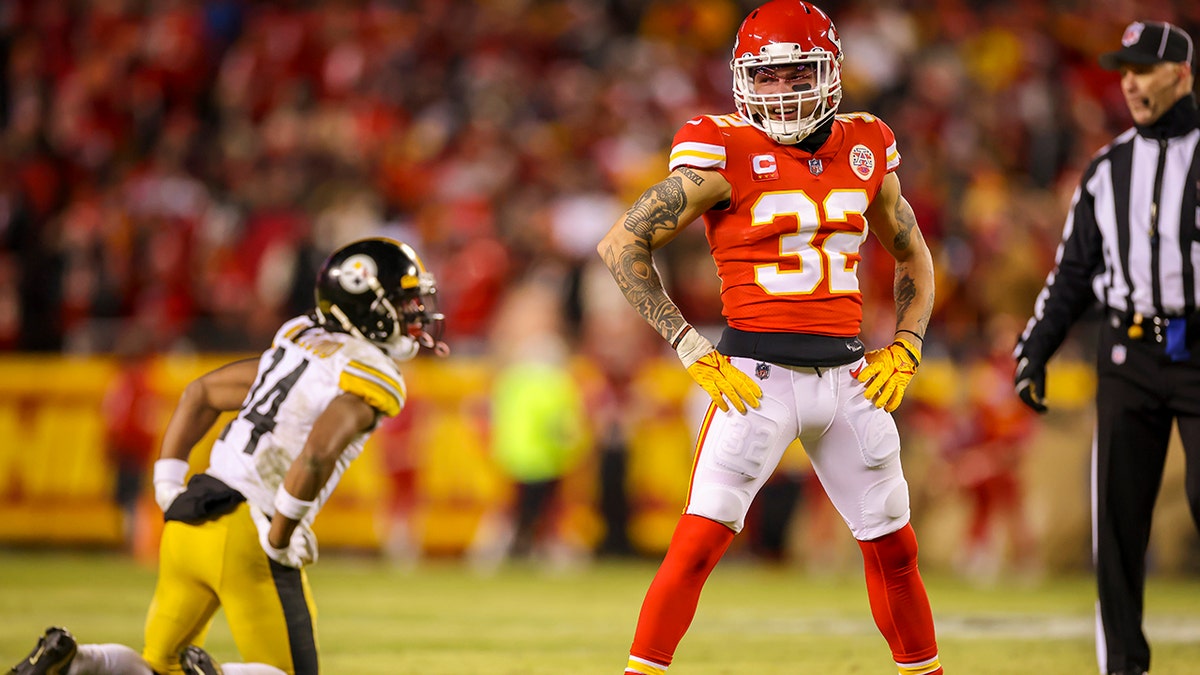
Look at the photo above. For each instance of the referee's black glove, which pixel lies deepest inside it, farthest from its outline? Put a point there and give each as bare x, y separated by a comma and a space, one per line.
1030, 383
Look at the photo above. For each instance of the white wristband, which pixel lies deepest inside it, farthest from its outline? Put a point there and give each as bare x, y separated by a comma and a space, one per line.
289, 507
170, 470
691, 346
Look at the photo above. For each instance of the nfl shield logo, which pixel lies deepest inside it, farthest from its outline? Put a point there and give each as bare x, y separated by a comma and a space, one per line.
815, 167
762, 371
1133, 33
1118, 354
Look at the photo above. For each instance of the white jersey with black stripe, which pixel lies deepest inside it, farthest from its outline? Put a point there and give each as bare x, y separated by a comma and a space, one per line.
303, 371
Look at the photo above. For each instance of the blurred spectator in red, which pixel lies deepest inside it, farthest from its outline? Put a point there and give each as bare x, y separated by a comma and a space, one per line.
984, 452
132, 422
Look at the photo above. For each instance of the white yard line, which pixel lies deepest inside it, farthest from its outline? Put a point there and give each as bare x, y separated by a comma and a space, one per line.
964, 626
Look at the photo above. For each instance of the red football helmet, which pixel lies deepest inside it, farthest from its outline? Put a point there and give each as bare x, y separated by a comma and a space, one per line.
791, 33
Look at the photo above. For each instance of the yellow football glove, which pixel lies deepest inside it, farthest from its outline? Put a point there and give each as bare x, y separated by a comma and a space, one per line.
888, 372
714, 373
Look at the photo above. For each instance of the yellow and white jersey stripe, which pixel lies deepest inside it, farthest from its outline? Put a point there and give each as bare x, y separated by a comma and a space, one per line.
385, 392
698, 155
305, 369
893, 157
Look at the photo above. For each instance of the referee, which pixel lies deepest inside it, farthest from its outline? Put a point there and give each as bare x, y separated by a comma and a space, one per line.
1132, 242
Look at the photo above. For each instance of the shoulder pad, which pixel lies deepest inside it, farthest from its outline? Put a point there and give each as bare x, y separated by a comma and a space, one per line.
291, 328
369, 373
698, 144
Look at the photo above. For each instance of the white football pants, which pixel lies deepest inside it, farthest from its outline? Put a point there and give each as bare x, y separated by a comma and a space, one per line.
853, 446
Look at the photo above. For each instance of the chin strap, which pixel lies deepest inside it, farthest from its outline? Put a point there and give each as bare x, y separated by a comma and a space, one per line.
345, 322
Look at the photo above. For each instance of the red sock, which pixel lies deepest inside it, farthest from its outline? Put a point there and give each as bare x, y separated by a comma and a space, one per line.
670, 604
899, 602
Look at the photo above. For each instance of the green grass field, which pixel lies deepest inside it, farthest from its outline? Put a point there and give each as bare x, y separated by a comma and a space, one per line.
442, 619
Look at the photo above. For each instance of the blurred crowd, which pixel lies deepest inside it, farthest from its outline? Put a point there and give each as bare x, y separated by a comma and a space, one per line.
175, 170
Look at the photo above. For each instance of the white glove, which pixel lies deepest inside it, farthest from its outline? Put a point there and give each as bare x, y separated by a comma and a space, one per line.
168, 481
303, 547
300, 551
279, 555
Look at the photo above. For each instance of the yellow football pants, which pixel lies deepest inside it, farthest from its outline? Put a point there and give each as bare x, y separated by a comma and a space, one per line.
219, 563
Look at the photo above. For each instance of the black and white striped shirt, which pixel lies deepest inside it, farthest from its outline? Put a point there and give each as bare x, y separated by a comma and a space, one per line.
1132, 238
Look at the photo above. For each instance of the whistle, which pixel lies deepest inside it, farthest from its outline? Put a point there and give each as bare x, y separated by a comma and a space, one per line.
1136, 331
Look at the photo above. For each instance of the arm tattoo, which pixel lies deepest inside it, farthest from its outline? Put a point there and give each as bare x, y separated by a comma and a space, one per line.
913, 284
657, 209
907, 222
638, 280
905, 290
692, 175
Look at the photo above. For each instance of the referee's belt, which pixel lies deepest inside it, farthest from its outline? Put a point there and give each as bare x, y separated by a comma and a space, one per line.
1174, 333
1138, 326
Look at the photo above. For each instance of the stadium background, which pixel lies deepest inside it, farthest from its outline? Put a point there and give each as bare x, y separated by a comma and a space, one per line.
173, 172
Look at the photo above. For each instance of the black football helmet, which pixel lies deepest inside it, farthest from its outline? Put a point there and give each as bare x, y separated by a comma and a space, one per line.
379, 290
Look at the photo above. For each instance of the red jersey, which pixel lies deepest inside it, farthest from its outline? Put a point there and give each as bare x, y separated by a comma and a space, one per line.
787, 245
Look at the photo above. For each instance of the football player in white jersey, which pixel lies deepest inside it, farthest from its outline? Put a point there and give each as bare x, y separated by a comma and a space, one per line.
239, 535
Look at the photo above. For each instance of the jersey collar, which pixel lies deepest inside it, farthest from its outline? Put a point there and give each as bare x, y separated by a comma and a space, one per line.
1178, 120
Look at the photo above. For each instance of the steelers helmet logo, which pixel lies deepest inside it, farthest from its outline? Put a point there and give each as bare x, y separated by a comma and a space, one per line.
355, 273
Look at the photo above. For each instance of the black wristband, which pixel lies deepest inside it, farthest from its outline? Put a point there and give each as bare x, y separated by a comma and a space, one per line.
679, 338
905, 330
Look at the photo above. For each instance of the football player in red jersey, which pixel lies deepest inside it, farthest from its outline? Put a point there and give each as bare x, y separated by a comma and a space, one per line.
787, 190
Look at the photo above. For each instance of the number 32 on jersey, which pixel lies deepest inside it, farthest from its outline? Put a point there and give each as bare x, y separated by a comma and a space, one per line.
834, 258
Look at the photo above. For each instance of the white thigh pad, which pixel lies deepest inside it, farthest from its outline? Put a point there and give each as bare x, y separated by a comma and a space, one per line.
881, 440
743, 444
884, 509
739, 454
721, 503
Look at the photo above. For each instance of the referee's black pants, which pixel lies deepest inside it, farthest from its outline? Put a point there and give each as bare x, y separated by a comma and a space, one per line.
1140, 392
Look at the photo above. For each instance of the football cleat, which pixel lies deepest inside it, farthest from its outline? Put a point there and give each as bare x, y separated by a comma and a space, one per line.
196, 661
51, 656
